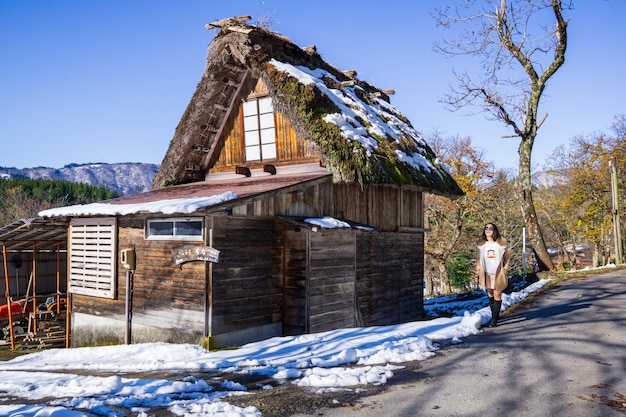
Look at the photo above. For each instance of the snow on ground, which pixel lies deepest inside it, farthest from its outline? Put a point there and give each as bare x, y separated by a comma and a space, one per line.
91, 381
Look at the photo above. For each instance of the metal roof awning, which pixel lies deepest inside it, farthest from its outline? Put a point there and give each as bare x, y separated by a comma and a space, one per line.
45, 234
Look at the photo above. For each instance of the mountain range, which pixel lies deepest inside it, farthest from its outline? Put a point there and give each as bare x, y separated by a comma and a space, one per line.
134, 177
125, 178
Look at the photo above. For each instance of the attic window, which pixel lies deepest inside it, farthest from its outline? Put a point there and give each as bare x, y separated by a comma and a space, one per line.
174, 229
259, 129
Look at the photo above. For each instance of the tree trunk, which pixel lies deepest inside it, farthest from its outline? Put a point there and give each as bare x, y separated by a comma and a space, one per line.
528, 207
595, 258
444, 279
428, 285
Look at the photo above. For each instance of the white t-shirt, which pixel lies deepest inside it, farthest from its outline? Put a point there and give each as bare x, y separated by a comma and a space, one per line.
491, 254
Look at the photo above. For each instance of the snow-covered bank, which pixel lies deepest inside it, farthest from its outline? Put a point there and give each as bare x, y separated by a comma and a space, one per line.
330, 360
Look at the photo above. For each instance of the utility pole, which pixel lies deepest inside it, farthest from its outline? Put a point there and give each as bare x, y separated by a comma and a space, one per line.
619, 254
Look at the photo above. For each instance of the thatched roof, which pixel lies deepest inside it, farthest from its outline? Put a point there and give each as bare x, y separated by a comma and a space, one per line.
360, 135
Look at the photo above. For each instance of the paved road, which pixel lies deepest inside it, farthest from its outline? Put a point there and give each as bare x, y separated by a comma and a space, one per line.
563, 355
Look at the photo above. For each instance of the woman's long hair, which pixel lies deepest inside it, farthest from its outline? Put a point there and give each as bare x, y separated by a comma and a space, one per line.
496, 233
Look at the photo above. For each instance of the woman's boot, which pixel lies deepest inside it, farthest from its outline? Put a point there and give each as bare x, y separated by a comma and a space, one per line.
495, 312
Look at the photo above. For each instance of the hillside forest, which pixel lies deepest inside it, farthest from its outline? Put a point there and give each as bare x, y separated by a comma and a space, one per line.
22, 198
572, 197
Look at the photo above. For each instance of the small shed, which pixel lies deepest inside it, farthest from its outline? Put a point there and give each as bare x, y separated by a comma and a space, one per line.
34, 259
289, 201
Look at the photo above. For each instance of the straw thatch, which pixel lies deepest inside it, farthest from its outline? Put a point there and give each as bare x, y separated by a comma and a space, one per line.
240, 53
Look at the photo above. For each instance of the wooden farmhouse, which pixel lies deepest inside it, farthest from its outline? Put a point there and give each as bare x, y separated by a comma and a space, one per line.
290, 201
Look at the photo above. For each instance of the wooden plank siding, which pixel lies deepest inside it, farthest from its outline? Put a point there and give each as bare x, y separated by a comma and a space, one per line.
289, 147
295, 283
330, 280
158, 283
311, 201
389, 277
385, 207
342, 278
247, 280
164, 295
410, 208
233, 150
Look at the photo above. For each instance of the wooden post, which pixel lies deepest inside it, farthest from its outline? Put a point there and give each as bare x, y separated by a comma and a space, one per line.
307, 283
619, 254
68, 316
8, 294
68, 296
208, 288
58, 279
128, 314
34, 288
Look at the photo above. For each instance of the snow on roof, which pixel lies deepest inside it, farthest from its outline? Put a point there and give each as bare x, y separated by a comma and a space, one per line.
173, 206
381, 117
327, 222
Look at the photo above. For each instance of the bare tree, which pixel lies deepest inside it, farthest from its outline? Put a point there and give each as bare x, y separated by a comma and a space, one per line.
519, 54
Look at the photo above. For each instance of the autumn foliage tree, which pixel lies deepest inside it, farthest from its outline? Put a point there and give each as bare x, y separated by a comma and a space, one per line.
450, 220
578, 204
455, 225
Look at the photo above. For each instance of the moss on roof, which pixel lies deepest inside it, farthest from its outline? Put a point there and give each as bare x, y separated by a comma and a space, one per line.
361, 136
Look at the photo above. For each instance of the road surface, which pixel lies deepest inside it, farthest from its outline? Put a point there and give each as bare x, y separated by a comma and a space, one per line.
564, 354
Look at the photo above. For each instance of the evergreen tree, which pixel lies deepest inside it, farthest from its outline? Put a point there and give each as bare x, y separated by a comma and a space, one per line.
25, 197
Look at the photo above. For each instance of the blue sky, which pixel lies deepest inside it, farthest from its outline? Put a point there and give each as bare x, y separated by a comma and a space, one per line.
108, 80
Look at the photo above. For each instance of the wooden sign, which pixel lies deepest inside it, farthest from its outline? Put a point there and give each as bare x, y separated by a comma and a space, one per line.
189, 253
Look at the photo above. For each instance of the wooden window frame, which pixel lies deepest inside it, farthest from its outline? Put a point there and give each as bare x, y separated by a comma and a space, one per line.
175, 235
259, 143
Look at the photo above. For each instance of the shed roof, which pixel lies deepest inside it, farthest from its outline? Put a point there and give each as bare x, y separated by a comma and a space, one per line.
219, 192
38, 234
361, 136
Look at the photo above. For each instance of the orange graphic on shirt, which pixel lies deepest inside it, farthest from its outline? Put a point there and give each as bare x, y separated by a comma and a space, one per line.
491, 253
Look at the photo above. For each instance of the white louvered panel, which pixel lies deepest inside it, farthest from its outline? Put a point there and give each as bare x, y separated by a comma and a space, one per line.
92, 257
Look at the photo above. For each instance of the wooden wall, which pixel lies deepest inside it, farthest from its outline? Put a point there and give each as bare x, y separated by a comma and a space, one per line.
164, 295
161, 290
385, 207
344, 278
320, 275
331, 286
247, 280
295, 282
390, 277
311, 201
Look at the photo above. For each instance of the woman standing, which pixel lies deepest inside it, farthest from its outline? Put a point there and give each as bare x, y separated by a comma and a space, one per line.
492, 264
